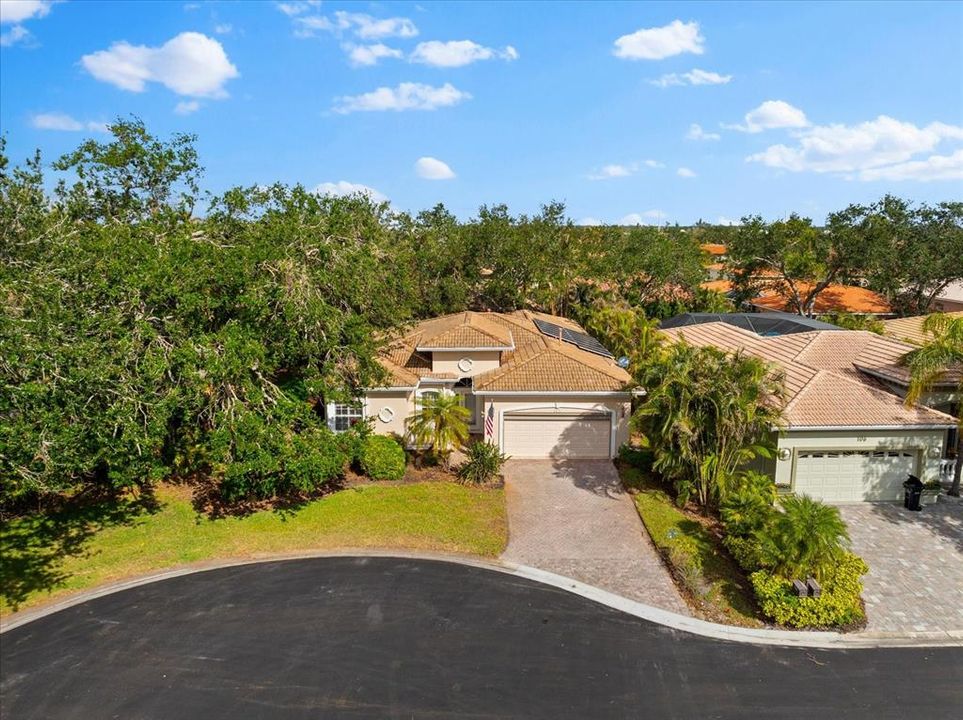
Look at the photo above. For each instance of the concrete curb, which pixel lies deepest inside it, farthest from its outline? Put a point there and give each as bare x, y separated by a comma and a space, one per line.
682, 623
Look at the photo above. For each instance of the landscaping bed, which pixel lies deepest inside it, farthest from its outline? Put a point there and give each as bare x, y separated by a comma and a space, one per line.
81, 545
690, 544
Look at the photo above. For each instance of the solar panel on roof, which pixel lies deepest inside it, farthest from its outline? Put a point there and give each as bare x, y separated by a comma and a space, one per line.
579, 339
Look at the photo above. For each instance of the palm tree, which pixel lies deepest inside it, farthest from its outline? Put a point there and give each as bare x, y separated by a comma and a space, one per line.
440, 423
806, 538
943, 351
708, 415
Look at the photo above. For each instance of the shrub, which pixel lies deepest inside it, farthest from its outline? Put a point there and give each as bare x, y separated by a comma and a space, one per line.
382, 458
807, 538
483, 464
748, 508
351, 441
838, 605
747, 551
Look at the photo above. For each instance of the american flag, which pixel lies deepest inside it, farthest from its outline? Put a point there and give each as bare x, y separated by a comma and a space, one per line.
490, 420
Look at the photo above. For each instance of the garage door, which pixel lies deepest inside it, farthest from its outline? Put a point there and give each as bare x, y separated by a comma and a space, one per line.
854, 475
557, 436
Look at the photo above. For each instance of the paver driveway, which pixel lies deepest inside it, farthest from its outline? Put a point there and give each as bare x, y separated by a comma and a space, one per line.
575, 519
915, 580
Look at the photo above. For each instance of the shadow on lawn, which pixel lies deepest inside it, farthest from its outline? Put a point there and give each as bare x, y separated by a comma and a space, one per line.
34, 547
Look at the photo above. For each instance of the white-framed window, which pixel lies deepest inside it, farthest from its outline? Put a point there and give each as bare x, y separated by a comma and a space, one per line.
342, 416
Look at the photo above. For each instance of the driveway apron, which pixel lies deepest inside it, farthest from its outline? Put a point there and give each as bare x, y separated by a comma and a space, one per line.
575, 519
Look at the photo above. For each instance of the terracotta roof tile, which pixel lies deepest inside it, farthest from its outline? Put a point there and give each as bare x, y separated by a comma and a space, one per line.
910, 329
538, 363
824, 385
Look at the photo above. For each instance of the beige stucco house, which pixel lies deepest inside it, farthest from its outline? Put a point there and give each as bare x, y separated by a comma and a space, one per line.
848, 436
536, 385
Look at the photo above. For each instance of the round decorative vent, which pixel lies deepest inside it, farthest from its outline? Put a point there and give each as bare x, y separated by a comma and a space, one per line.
465, 364
386, 414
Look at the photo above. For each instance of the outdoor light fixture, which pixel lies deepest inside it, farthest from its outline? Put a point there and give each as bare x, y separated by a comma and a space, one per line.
784, 454
934, 452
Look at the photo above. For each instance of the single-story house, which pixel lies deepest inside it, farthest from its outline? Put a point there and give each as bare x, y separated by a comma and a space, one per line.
910, 329
834, 298
537, 386
848, 435
951, 299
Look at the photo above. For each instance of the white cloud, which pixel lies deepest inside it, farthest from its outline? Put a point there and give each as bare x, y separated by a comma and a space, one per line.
697, 133
431, 168
189, 64
297, 8
66, 123
654, 164
878, 149
685, 172
649, 217
935, 167
16, 34
343, 187
456, 53
693, 77
589, 222
367, 55
723, 220
223, 28
770, 115
656, 43
364, 27
407, 96
613, 171
186, 107
16, 11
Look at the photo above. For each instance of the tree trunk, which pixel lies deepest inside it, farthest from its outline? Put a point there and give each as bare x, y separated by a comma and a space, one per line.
955, 488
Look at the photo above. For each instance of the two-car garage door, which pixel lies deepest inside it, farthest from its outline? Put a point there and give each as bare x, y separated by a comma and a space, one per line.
583, 436
856, 475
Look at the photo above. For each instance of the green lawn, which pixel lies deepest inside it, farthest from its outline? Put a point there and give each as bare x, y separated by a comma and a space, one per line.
48, 556
710, 578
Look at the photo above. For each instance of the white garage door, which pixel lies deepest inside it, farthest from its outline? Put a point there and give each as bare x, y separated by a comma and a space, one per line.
557, 436
855, 475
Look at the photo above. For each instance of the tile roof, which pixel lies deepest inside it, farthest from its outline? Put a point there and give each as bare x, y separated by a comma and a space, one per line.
835, 298
714, 248
910, 329
825, 385
463, 330
536, 364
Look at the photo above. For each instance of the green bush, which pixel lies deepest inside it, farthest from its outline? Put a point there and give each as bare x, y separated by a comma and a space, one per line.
483, 464
747, 509
838, 605
351, 441
382, 458
747, 551
806, 538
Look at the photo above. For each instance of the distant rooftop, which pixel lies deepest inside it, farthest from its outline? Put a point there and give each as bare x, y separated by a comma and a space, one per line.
762, 324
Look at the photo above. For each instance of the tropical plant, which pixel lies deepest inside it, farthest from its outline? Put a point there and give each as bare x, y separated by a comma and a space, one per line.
382, 458
850, 321
484, 462
626, 332
927, 365
439, 423
805, 539
706, 416
748, 508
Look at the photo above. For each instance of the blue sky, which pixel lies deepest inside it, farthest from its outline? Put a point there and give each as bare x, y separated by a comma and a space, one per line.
804, 107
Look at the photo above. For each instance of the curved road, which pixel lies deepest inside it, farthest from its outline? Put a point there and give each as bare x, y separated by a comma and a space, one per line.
391, 638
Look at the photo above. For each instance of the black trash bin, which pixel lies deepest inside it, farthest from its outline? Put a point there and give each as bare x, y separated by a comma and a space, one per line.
912, 492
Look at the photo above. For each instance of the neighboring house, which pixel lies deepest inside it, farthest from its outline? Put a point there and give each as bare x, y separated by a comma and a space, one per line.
834, 298
717, 252
951, 299
848, 436
537, 385
910, 329
762, 323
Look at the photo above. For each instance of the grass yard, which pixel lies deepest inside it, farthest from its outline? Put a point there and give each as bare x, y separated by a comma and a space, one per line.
710, 580
45, 557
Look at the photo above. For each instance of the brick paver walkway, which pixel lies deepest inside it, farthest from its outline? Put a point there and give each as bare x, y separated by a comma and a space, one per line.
915, 580
573, 518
